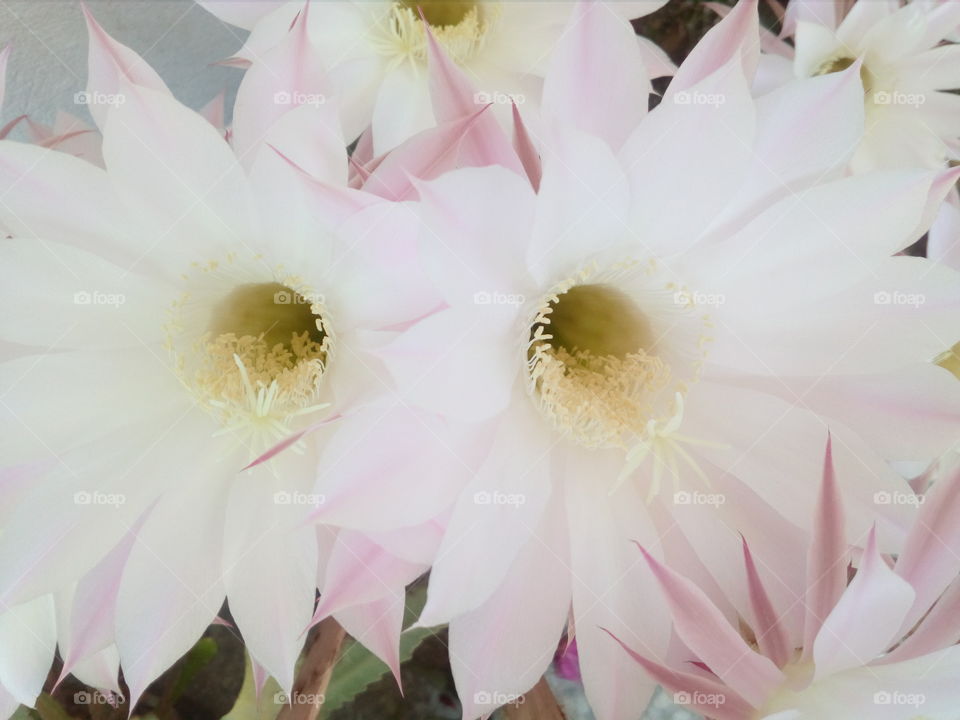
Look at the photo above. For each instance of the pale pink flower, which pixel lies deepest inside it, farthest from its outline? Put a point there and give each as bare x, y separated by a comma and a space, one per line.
653, 344
911, 119
882, 645
187, 348
376, 51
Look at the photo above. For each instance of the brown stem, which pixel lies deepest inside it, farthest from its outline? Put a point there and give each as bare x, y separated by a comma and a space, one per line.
314, 675
538, 704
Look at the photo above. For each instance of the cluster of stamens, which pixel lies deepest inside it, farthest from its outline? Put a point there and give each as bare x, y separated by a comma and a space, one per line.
259, 363
459, 27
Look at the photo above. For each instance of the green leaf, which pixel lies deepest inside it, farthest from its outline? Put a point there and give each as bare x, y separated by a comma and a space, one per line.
24, 713
199, 655
50, 709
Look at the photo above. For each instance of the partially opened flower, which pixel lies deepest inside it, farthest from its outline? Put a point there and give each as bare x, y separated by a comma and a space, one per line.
178, 333
906, 72
882, 645
620, 334
376, 51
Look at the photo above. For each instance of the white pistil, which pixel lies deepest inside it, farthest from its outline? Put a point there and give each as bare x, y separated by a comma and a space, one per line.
662, 441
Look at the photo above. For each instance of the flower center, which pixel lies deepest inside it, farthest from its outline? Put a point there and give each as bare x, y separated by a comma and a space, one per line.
253, 354
440, 13
459, 27
591, 365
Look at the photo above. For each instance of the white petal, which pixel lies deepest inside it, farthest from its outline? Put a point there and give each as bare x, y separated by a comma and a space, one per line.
612, 586
676, 197
60, 296
458, 363
866, 619
29, 638
177, 174
503, 647
171, 588
269, 547
495, 516
582, 204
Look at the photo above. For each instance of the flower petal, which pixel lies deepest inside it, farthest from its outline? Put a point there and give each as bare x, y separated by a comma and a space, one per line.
501, 648
594, 41
866, 619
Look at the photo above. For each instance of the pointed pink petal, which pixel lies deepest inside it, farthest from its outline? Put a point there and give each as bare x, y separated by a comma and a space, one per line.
866, 619
260, 676
377, 625
334, 202
285, 100
705, 630
694, 691
425, 156
736, 35
931, 556
109, 61
771, 635
360, 571
827, 558
92, 611
453, 98
526, 151
288, 441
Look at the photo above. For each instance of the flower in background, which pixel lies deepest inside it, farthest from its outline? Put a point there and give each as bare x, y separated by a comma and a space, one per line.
181, 336
620, 336
905, 70
376, 51
881, 645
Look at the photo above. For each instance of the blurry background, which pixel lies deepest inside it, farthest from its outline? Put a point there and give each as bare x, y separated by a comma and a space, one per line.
49, 60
